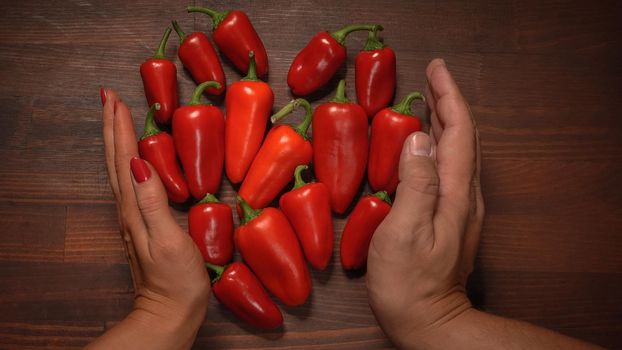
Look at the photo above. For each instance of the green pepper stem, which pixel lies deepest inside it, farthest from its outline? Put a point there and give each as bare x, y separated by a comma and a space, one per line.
303, 127
298, 181
209, 198
248, 212
160, 51
341, 34
180, 32
340, 95
373, 43
217, 17
404, 106
283, 112
252, 68
196, 96
151, 128
219, 270
384, 196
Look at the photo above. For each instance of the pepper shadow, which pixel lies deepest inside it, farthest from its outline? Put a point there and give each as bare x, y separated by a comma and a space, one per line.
240, 75
328, 88
183, 207
324, 276
301, 312
217, 100
355, 274
274, 334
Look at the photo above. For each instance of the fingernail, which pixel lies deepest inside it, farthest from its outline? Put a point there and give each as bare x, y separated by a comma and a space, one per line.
102, 94
140, 170
443, 61
420, 145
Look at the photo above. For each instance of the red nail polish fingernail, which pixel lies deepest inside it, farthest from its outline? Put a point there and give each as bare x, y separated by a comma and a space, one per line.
140, 170
102, 94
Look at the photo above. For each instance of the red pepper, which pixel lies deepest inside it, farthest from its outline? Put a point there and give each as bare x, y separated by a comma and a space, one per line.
362, 223
236, 37
210, 223
268, 244
374, 74
199, 57
157, 148
389, 129
273, 168
249, 104
340, 146
307, 206
160, 82
199, 134
239, 290
317, 62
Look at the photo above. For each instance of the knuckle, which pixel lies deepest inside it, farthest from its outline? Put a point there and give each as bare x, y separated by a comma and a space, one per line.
169, 246
150, 203
425, 184
392, 236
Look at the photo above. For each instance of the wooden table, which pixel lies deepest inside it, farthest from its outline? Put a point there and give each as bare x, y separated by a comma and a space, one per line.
544, 81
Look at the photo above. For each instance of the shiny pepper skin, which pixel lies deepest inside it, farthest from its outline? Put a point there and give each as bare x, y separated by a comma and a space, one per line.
285, 147
269, 246
157, 148
199, 134
389, 129
375, 75
240, 291
236, 37
360, 227
210, 223
159, 77
200, 59
320, 59
340, 146
307, 207
249, 104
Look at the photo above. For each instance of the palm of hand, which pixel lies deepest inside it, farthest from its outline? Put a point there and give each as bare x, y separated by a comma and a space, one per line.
169, 276
423, 252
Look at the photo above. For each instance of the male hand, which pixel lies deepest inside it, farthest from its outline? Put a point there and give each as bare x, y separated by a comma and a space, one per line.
422, 253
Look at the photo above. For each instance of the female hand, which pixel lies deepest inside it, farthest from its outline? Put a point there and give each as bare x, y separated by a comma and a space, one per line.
172, 285
422, 253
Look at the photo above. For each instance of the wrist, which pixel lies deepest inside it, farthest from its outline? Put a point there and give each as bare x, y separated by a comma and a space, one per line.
169, 319
430, 321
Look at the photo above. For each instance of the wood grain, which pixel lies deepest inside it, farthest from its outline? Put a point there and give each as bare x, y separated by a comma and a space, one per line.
544, 82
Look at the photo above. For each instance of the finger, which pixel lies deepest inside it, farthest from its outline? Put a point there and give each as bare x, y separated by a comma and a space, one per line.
477, 199
417, 191
476, 217
152, 200
456, 147
125, 149
436, 129
109, 98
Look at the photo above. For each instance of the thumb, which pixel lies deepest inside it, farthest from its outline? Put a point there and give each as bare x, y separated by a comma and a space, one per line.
417, 191
151, 198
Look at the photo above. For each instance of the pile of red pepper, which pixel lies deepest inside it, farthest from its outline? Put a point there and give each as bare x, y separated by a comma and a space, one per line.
275, 242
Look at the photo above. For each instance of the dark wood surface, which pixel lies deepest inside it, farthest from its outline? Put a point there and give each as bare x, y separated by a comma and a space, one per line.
545, 83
